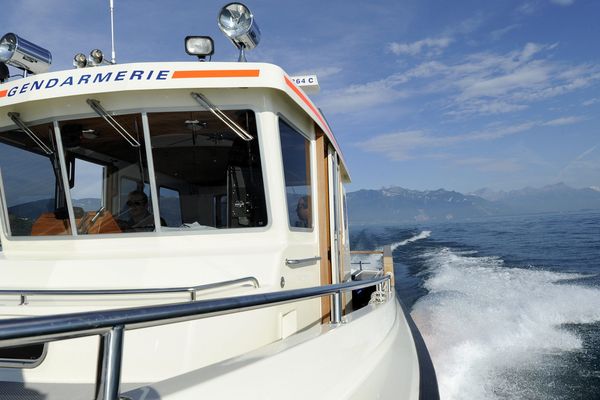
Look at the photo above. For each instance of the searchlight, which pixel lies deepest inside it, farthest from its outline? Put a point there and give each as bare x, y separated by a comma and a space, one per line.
237, 23
20, 53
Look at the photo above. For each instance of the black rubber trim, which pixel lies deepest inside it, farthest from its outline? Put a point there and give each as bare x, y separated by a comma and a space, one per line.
428, 386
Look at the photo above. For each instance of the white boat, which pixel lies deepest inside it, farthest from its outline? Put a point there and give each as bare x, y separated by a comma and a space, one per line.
178, 231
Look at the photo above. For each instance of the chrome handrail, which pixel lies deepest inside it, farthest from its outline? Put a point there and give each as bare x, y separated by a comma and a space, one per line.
112, 323
192, 290
98, 109
301, 261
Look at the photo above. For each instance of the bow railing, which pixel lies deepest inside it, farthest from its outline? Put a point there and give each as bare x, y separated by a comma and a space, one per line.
111, 324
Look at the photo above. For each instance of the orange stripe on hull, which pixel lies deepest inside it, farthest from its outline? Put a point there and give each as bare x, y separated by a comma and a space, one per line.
3, 93
238, 73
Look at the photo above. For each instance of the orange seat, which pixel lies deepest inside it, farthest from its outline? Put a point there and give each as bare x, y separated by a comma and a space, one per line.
105, 223
47, 224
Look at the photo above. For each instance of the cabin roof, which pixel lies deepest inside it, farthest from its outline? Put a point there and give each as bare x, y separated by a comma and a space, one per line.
164, 75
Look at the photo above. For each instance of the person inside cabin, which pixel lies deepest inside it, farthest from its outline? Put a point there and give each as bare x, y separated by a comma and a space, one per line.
137, 216
304, 213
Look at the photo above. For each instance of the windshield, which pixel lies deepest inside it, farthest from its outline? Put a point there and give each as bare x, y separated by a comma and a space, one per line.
32, 183
103, 181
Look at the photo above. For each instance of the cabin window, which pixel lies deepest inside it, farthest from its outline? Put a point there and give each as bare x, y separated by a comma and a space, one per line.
216, 174
32, 183
295, 149
170, 206
107, 175
88, 186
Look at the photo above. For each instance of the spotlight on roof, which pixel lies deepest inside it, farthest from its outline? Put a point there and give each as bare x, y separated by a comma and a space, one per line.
22, 54
238, 24
80, 60
97, 56
200, 46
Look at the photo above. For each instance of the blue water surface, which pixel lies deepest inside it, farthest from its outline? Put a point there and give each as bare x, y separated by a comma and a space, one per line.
509, 306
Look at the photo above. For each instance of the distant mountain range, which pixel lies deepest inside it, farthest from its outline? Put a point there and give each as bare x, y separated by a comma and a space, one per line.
551, 198
396, 204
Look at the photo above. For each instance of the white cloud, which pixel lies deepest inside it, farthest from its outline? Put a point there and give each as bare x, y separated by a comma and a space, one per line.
586, 153
429, 45
499, 33
528, 8
490, 164
466, 26
482, 83
360, 97
530, 75
531, 49
563, 121
586, 166
398, 146
405, 145
321, 72
486, 107
590, 102
563, 2
488, 83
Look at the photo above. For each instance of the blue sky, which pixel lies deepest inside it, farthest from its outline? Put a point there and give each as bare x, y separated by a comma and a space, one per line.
421, 94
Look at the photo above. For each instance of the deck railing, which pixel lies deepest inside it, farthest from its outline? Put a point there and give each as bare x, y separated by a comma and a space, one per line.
112, 324
24, 294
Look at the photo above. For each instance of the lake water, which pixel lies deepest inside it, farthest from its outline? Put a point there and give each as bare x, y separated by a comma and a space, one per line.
509, 307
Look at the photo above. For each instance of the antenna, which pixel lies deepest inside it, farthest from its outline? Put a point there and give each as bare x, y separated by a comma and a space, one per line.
112, 31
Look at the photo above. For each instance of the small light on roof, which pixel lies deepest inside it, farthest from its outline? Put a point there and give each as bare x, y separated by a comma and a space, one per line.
80, 60
97, 56
200, 46
238, 24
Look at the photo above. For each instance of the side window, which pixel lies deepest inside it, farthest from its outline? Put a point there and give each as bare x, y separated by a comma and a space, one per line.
214, 176
32, 183
88, 186
295, 149
169, 203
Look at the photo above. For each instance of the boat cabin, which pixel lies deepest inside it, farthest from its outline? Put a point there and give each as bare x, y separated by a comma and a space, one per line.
208, 195
168, 175
133, 158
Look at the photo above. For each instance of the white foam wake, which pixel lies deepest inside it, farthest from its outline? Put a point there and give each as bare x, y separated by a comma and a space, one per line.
482, 319
422, 235
374, 261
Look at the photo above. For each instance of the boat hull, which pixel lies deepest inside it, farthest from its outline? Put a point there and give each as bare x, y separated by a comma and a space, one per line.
348, 361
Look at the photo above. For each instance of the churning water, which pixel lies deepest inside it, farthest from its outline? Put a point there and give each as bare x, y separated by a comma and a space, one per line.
509, 307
